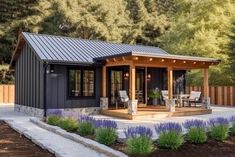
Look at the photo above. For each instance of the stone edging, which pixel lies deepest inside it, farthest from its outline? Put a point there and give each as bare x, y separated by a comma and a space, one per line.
79, 139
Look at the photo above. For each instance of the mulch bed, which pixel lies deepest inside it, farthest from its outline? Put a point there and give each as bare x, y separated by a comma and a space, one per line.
209, 149
12, 144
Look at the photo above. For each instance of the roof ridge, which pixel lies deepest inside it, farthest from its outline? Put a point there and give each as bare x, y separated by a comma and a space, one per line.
93, 40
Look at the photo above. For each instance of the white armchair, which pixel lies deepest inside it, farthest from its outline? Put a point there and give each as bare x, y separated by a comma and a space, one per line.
124, 98
194, 97
164, 95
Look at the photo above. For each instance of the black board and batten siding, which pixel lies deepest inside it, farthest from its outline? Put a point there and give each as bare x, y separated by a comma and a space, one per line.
29, 79
29, 75
57, 90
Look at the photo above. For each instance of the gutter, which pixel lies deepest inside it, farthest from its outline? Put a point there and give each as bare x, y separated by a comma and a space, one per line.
44, 89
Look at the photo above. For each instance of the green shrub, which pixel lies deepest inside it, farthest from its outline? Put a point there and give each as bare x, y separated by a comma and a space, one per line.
139, 145
69, 124
219, 132
196, 135
85, 129
105, 136
54, 120
170, 140
232, 129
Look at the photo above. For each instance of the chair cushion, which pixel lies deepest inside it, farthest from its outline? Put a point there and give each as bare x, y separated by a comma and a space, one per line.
124, 99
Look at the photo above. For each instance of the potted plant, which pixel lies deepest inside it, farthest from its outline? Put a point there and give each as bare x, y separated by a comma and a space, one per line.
154, 95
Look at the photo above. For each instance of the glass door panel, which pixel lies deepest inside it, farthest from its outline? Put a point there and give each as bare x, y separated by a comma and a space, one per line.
139, 86
116, 85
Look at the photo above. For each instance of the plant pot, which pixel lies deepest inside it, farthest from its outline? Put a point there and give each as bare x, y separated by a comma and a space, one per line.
155, 102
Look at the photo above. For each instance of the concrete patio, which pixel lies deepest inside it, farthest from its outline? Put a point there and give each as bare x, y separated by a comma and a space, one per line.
151, 121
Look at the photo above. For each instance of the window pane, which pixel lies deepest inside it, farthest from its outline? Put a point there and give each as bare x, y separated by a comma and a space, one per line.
88, 83
74, 82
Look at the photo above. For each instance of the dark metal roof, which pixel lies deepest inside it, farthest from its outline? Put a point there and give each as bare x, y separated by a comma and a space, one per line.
63, 49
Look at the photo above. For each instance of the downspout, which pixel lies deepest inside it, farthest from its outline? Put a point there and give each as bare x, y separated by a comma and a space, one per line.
44, 89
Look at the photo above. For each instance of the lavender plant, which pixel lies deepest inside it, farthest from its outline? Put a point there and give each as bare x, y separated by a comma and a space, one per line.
105, 131
232, 129
219, 128
170, 135
139, 140
54, 117
196, 131
85, 126
56, 112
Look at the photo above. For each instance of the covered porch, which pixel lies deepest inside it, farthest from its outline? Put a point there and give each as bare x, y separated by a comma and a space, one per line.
170, 65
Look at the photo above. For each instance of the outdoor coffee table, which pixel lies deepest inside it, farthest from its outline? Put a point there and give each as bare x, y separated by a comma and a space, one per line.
179, 99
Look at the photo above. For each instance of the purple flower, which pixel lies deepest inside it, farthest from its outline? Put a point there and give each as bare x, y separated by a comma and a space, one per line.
167, 127
105, 124
55, 112
71, 114
85, 118
218, 121
194, 123
138, 131
232, 119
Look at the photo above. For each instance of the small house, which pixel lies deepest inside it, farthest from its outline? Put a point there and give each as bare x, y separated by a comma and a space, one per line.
85, 76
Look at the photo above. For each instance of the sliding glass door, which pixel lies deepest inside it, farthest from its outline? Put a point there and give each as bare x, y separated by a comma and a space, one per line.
116, 84
140, 86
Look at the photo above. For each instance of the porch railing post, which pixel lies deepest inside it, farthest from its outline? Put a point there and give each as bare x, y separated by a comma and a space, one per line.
132, 105
170, 82
104, 81
132, 82
206, 83
104, 100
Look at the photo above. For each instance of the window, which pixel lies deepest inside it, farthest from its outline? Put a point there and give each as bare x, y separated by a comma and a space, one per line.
88, 83
81, 83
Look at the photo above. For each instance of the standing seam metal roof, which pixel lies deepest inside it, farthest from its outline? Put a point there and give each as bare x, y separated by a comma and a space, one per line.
65, 49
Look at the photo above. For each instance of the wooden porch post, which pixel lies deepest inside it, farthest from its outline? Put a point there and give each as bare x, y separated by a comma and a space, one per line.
170, 82
104, 86
132, 82
206, 83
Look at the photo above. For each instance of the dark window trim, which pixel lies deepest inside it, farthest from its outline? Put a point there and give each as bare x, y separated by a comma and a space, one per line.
82, 68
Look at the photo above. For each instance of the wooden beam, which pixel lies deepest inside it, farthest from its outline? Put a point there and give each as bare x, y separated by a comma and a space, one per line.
104, 81
206, 83
132, 82
166, 64
118, 63
170, 82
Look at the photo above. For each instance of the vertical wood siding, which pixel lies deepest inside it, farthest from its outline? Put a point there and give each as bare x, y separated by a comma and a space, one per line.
220, 95
7, 93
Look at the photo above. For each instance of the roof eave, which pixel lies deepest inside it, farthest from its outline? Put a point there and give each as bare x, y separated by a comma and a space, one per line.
19, 46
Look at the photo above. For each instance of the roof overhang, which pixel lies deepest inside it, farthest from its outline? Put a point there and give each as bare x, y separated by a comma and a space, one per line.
18, 49
158, 60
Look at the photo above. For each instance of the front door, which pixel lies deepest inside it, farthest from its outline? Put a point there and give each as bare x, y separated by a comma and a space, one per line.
116, 84
140, 86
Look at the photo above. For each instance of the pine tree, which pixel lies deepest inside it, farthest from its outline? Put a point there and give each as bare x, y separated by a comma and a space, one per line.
201, 28
148, 24
232, 52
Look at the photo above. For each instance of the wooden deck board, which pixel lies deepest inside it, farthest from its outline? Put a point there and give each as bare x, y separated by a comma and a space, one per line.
156, 112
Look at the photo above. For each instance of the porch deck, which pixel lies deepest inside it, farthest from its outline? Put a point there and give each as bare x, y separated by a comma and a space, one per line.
156, 112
